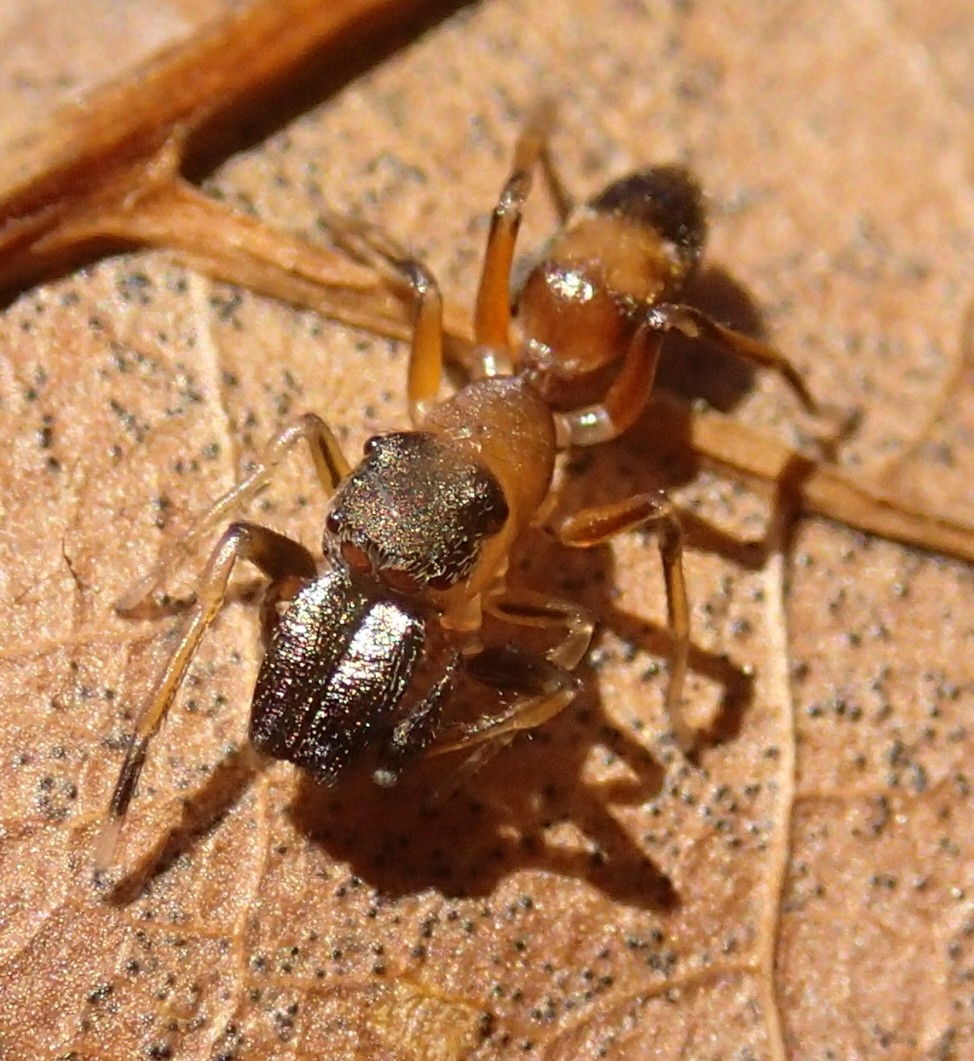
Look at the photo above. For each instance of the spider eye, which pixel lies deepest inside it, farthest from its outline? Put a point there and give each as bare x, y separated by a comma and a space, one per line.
496, 516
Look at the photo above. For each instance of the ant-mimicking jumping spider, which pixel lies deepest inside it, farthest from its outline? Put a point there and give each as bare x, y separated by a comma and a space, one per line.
364, 655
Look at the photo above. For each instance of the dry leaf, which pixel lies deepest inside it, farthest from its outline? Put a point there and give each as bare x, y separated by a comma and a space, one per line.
806, 891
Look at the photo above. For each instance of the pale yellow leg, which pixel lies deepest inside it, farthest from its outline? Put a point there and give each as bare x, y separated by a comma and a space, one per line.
330, 464
277, 557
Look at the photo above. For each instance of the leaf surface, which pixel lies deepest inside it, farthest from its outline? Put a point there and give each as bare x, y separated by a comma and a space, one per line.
805, 891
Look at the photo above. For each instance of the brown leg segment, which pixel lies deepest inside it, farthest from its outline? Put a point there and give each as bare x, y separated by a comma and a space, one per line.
593, 526
374, 248
426, 353
492, 315
277, 557
370, 245
553, 689
625, 399
524, 608
696, 325
557, 191
330, 464
547, 684
278, 595
544, 688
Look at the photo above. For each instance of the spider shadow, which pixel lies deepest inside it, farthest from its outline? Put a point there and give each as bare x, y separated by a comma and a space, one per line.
463, 836
691, 369
201, 813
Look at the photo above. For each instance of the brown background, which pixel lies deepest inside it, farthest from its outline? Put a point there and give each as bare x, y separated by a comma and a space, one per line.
822, 858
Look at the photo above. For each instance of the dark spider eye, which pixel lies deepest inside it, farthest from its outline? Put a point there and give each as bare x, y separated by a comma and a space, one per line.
496, 515
442, 582
333, 522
